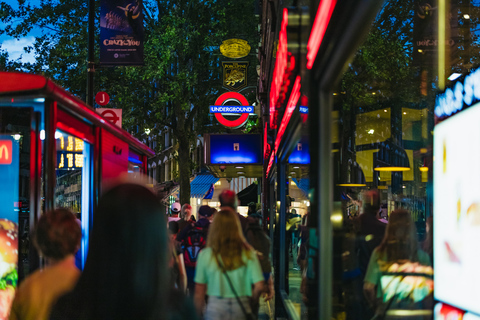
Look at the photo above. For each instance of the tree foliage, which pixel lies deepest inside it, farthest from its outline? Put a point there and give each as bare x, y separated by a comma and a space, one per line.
181, 75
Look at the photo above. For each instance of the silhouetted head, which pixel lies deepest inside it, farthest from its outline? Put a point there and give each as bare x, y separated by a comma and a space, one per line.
228, 198
126, 269
186, 211
57, 234
252, 208
400, 240
371, 202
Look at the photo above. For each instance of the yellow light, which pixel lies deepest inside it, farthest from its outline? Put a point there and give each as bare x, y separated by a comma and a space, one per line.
423, 169
70, 144
351, 185
62, 143
78, 144
62, 163
423, 150
70, 159
78, 160
392, 169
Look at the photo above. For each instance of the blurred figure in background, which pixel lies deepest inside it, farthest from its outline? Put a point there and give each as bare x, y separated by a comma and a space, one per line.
57, 238
185, 215
127, 264
175, 209
400, 247
427, 245
260, 242
193, 239
228, 199
227, 270
176, 264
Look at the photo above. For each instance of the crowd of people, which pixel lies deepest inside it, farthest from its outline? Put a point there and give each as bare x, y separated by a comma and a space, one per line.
143, 264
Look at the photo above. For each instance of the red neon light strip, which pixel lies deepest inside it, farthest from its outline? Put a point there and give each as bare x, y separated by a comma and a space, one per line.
292, 103
270, 163
265, 141
280, 67
324, 13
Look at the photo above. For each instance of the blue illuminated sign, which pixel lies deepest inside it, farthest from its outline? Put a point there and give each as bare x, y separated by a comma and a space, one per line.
301, 153
235, 148
303, 109
454, 99
10, 175
231, 109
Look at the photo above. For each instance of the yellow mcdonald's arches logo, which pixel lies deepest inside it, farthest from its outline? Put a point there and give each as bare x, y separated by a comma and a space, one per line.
5, 152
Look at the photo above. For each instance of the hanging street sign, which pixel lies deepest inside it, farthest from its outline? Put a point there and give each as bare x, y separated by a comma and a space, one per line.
220, 109
235, 48
102, 98
235, 75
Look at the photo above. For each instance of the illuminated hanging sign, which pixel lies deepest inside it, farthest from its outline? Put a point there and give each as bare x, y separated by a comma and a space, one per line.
219, 109
69, 153
322, 19
284, 65
234, 149
462, 95
235, 48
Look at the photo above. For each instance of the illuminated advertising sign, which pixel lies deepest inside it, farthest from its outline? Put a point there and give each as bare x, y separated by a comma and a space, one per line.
244, 109
456, 205
121, 32
69, 153
301, 153
235, 48
9, 193
235, 148
461, 96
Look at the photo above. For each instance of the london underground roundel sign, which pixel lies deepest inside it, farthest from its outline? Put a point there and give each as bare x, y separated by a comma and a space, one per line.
219, 109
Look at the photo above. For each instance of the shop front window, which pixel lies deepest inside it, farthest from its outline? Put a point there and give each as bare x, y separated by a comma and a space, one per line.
382, 173
72, 190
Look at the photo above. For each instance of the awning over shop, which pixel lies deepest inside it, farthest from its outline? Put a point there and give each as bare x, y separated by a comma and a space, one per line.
201, 184
303, 184
249, 194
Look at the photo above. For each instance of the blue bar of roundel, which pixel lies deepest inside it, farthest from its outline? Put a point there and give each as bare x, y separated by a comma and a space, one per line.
231, 109
9, 181
121, 32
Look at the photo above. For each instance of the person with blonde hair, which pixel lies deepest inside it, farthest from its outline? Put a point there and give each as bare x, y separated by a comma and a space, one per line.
399, 250
228, 271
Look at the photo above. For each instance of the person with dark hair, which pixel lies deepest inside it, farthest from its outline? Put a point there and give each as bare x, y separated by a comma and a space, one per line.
185, 214
228, 271
399, 247
193, 239
126, 271
57, 237
252, 208
228, 199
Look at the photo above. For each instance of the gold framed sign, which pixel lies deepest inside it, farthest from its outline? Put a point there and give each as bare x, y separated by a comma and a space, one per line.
235, 75
235, 48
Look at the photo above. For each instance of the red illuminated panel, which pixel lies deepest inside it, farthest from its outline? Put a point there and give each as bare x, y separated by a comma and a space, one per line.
270, 163
16, 81
5, 151
292, 103
324, 13
280, 67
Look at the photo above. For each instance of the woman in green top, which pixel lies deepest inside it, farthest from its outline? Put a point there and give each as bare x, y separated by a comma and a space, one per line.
227, 270
398, 253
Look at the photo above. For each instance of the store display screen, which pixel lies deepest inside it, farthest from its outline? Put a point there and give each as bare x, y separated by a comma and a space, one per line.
457, 209
236, 148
